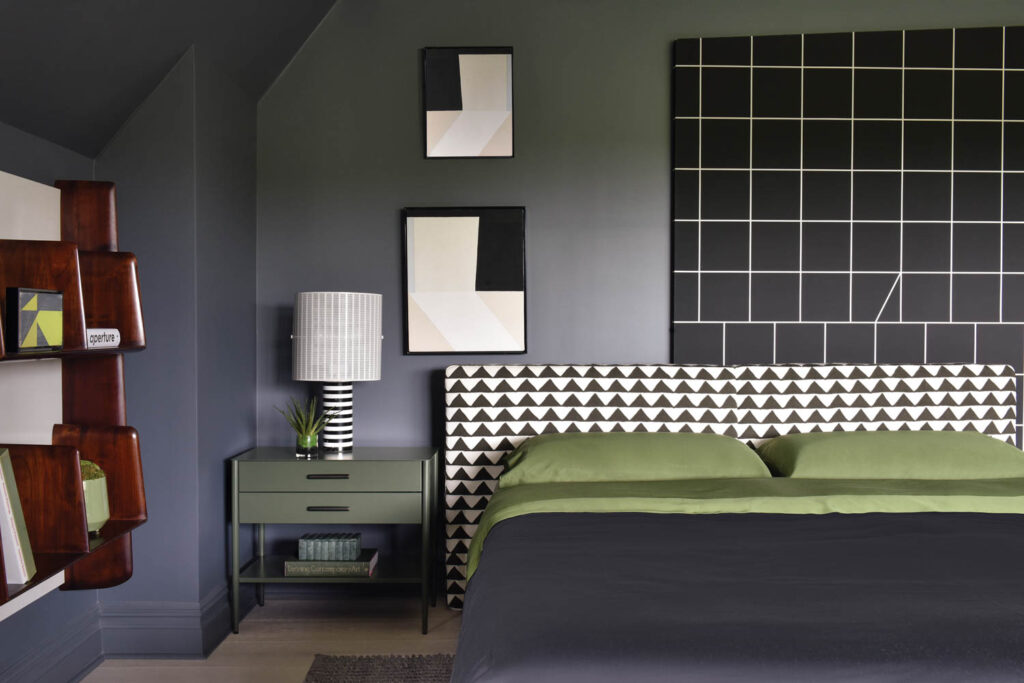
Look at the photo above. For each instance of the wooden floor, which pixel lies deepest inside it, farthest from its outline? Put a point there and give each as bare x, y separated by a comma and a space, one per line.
277, 642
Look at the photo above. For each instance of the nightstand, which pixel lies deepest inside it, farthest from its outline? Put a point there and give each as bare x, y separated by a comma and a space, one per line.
367, 486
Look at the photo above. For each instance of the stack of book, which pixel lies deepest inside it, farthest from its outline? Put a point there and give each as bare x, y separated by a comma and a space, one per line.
336, 554
337, 546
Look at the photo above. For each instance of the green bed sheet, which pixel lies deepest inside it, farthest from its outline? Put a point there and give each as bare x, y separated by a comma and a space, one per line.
775, 496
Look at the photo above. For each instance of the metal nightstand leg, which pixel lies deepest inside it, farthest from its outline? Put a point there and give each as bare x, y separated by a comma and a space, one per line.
261, 538
235, 598
425, 556
435, 496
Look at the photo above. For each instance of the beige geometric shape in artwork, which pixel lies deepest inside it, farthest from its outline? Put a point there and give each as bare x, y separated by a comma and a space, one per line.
466, 322
470, 133
486, 82
501, 144
423, 334
442, 253
438, 123
508, 309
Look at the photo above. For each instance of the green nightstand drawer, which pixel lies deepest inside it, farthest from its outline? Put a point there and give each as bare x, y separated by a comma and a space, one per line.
331, 475
330, 508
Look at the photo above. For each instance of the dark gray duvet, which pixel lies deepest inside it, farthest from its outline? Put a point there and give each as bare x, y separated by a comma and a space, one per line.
746, 597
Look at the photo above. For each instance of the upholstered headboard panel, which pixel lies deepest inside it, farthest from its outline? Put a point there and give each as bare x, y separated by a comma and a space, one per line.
490, 409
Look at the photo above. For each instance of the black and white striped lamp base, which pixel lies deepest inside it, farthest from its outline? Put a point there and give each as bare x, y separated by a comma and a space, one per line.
337, 435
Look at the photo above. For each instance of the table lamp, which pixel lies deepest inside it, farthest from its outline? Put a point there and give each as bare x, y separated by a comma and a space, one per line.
336, 340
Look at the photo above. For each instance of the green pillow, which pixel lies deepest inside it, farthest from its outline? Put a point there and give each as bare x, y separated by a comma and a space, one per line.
892, 455
629, 456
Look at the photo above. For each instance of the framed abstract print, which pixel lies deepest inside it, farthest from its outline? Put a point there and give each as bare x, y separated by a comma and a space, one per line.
467, 102
465, 280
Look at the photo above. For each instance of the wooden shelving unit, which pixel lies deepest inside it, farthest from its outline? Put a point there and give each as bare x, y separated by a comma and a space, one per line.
101, 289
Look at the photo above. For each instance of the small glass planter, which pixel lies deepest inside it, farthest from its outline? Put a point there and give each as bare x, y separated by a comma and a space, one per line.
306, 445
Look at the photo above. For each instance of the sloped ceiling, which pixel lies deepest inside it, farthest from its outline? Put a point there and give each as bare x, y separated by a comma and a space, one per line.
72, 71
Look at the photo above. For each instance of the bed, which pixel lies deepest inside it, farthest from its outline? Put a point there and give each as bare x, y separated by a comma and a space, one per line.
741, 577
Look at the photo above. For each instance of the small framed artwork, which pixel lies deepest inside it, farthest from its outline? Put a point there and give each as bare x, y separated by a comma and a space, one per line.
467, 102
465, 280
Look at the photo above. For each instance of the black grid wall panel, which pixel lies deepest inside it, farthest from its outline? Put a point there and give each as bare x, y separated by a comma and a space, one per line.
849, 197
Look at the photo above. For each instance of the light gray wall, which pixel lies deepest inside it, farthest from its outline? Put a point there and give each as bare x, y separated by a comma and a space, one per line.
226, 315
340, 153
57, 636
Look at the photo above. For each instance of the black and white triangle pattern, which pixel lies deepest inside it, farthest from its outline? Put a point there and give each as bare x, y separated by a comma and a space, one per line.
490, 409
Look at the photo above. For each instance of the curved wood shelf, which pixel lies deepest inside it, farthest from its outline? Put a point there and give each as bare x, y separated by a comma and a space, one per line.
71, 353
110, 294
47, 265
47, 565
50, 487
101, 290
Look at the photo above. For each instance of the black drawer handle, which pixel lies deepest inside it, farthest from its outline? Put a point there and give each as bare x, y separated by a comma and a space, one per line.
326, 476
327, 508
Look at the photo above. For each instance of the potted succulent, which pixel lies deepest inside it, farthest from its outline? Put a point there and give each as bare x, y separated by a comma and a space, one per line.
307, 424
97, 506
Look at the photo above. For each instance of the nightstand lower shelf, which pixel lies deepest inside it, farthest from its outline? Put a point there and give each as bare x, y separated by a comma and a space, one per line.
270, 569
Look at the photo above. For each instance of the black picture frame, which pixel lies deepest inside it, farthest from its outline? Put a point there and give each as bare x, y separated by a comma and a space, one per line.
441, 80
496, 223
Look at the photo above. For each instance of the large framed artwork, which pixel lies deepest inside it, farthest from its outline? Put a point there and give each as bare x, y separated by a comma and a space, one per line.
465, 280
467, 101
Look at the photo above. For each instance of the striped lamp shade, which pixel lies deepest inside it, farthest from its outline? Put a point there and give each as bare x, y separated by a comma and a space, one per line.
336, 337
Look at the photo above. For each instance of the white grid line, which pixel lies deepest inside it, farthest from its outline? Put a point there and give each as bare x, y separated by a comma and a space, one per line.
894, 220
724, 326
844, 118
735, 169
853, 113
742, 321
840, 271
750, 192
775, 343
887, 297
903, 161
700, 176
800, 210
1002, 169
952, 167
814, 67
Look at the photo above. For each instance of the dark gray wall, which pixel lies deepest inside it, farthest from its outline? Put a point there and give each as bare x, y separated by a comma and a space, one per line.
226, 315
185, 166
152, 159
340, 153
57, 636
186, 174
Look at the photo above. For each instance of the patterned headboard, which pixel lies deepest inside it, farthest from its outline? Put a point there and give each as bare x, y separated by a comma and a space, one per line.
490, 409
